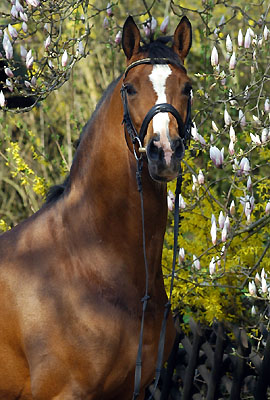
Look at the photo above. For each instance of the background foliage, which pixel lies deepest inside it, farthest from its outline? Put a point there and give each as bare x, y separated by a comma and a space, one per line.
217, 277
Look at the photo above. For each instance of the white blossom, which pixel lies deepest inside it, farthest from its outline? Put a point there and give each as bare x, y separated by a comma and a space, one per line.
267, 105
252, 288
253, 311
240, 38
181, 255
196, 263
227, 118
214, 126
182, 203
200, 177
244, 166
118, 37
213, 232
212, 266
247, 41
232, 134
229, 45
256, 119
217, 156
232, 208
64, 59
232, 62
255, 138
264, 285
265, 33
214, 57
33, 3
2, 99
224, 233
267, 208
221, 220
164, 25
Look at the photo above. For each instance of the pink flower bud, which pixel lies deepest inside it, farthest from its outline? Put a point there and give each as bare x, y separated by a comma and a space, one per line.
196, 263
47, 42
14, 12
265, 33
227, 118
247, 40
213, 232
267, 105
27, 84
249, 184
221, 220
182, 203
2, 99
267, 208
24, 27
214, 126
164, 25
153, 25
240, 38
8, 72
255, 138
18, 6
242, 119
231, 148
12, 31
200, 177
23, 16
181, 255
252, 288
224, 233
33, 3
147, 30
118, 37
217, 156
264, 135
29, 60
64, 59
229, 45
109, 10
214, 57
232, 134
7, 46
257, 279
244, 166
232, 63
9, 85
232, 208
105, 23
264, 285
33, 81
212, 266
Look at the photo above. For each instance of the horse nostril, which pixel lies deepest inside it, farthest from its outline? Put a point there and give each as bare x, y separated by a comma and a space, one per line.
152, 150
178, 148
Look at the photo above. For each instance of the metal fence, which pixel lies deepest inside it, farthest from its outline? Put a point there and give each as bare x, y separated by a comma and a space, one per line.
217, 363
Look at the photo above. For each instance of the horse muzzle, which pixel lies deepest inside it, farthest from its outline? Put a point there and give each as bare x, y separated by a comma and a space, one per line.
164, 160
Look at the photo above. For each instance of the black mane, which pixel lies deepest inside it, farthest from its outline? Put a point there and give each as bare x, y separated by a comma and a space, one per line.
155, 49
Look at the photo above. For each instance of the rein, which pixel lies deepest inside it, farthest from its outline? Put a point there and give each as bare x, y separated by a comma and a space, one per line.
138, 138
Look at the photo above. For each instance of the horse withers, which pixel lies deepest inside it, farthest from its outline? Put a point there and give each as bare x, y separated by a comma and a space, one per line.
72, 276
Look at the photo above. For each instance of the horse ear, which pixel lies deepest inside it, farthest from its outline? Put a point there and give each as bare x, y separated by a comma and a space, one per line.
131, 38
182, 38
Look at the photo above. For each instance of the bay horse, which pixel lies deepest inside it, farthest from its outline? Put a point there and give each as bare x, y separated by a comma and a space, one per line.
72, 275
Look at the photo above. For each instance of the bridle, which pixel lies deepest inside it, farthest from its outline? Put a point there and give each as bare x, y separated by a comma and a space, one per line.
138, 139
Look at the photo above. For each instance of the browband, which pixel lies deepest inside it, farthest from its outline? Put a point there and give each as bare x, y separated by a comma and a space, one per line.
152, 61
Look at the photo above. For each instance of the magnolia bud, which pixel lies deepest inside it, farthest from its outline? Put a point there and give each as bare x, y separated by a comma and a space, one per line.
23, 16
221, 220
252, 288
12, 31
33, 3
8, 72
118, 37
23, 52
217, 156
9, 85
267, 105
170, 203
232, 63
265, 33
181, 255
212, 266
18, 6
264, 135
232, 134
231, 148
47, 42
2, 99
244, 166
229, 45
267, 208
214, 126
214, 57
255, 138
109, 10
249, 184
264, 285
164, 25
196, 263
232, 208
200, 177
242, 119
182, 203
247, 40
257, 279
240, 38
253, 311
227, 118
24, 27
213, 232
224, 233
64, 59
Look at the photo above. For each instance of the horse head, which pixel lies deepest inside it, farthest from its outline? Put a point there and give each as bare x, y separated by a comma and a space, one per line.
156, 95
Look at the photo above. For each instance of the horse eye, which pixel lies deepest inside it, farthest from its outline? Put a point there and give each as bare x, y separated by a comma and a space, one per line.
130, 89
187, 90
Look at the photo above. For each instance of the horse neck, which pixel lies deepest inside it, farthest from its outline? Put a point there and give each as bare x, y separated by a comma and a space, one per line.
104, 197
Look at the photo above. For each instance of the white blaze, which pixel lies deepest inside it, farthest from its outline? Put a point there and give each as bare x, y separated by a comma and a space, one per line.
158, 78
